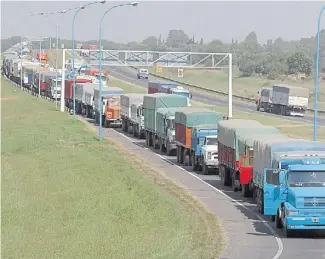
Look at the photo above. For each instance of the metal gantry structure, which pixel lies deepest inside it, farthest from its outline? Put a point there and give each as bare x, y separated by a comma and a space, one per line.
134, 58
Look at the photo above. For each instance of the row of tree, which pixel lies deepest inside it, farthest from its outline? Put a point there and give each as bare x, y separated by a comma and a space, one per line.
273, 60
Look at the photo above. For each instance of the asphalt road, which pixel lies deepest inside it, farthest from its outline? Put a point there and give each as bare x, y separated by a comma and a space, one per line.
249, 234
129, 75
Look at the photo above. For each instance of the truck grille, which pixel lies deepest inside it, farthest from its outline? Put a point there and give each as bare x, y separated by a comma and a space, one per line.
314, 202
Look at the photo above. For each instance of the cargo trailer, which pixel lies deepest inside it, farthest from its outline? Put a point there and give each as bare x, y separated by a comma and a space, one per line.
128, 124
68, 91
185, 119
111, 106
151, 103
84, 104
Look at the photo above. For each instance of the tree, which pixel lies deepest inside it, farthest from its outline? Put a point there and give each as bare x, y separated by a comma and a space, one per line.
298, 63
151, 42
177, 38
251, 37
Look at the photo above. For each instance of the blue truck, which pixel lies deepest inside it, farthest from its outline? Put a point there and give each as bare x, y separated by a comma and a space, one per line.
204, 148
291, 176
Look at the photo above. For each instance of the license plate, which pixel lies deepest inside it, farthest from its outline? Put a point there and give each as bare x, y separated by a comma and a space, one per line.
315, 220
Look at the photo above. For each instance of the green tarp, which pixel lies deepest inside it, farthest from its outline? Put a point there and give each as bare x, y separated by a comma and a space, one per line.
191, 117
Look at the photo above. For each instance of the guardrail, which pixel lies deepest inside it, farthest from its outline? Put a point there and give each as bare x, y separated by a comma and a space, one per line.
247, 99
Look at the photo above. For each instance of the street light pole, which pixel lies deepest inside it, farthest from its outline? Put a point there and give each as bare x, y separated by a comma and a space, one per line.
317, 74
100, 66
73, 74
21, 49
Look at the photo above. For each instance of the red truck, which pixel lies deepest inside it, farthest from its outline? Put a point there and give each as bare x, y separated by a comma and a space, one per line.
68, 90
235, 147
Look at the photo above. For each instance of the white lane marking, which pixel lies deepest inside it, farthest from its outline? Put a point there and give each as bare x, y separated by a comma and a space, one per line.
266, 224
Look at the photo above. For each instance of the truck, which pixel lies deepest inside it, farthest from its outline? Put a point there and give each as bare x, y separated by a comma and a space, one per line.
289, 100
151, 103
143, 73
137, 120
111, 106
46, 77
185, 120
94, 73
83, 104
264, 100
68, 91
169, 88
165, 122
290, 177
204, 148
126, 102
55, 87
233, 147
28, 75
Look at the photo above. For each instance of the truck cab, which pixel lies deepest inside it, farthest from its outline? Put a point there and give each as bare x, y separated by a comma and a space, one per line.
179, 90
210, 152
294, 194
170, 132
143, 73
56, 88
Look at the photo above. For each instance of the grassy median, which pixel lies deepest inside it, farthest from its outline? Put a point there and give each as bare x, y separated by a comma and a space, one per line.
66, 196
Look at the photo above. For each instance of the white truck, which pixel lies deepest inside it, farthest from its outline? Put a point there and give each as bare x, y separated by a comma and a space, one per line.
84, 98
264, 99
289, 100
137, 120
127, 100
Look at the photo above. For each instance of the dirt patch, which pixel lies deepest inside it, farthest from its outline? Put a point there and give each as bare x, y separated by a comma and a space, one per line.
290, 125
8, 98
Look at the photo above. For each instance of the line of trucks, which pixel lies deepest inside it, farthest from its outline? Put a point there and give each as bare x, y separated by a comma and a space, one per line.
284, 176
286, 100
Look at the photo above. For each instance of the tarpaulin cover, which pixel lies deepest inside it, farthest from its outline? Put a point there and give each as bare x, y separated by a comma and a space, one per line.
190, 116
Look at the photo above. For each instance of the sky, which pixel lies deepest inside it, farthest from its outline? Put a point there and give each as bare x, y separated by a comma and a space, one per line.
209, 20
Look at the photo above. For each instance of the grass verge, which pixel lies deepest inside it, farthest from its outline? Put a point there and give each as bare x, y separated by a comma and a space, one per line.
66, 196
242, 86
301, 130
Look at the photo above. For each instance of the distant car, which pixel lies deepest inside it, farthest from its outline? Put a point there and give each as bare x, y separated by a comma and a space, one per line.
143, 73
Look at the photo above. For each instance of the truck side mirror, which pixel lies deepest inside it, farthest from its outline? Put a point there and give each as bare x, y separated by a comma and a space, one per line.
282, 177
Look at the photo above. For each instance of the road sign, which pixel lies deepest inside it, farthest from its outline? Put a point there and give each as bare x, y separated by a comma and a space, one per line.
159, 69
180, 72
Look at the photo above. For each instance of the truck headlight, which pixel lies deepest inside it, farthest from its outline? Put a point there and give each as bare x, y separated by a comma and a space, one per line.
209, 155
292, 212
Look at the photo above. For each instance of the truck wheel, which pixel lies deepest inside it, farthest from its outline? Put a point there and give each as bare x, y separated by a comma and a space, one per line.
181, 157
161, 147
168, 151
258, 108
194, 165
177, 154
134, 131
185, 157
205, 170
147, 138
233, 183
278, 222
245, 190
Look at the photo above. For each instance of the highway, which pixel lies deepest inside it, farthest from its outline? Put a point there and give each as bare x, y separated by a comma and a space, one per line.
249, 234
129, 75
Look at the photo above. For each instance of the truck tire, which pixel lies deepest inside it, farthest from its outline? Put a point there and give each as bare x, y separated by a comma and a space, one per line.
134, 130
260, 201
168, 150
205, 170
245, 190
184, 157
161, 147
177, 154
194, 164
233, 183
278, 222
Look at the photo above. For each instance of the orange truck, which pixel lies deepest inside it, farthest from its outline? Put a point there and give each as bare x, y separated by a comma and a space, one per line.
111, 108
42, 58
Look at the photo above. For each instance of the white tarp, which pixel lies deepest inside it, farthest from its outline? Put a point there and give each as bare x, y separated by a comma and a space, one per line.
227, 129
82, 89
289, 95
127, 100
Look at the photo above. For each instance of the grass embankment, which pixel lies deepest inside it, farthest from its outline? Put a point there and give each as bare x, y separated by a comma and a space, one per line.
288, 127
64, 195
242, 86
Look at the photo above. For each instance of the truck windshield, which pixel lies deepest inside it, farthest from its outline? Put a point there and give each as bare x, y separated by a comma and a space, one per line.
171, 124
186, 94
212, 141
307, 178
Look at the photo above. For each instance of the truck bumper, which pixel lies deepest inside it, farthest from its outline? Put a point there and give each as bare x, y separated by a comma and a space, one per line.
212, 163
305, 223
113, 122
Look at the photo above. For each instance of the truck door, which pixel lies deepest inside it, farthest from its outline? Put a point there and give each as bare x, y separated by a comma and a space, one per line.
274, 192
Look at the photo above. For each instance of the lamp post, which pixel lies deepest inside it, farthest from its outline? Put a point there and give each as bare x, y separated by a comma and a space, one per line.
317, 73
21, 49
100, 65
73, 74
